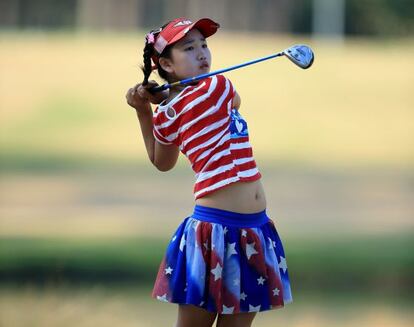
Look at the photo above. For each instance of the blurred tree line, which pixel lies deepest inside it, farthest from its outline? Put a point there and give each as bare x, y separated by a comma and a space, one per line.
362, 17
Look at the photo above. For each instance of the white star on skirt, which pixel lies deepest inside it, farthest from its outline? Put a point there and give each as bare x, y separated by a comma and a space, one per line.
271, 244
282, 264
250, 250
227, 309
260, 280
217, 271
168, 270
254, 309
162, 298
182, 243
231, 249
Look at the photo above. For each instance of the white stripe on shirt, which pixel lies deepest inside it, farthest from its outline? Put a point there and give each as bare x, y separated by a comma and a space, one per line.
243, 160
202, 175
205, 130
248, 173
192, 104
162, 108
158, 139
206, 175
215, 157
217, 185
208, 151
203, 115
208, 142
237, 146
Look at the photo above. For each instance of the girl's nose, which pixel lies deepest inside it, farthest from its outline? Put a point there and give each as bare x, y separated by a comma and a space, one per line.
202, 56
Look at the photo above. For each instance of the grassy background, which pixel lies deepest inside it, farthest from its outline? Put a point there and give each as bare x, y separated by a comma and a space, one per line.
63, 96
314, 265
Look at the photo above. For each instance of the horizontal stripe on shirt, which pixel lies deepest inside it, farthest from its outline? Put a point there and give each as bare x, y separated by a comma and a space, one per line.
201, 130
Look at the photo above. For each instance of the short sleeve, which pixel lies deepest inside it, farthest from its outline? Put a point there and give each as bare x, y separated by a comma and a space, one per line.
161, 130
221, 79
225, 93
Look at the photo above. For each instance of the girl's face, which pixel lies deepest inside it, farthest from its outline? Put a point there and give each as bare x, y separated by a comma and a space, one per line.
189, 57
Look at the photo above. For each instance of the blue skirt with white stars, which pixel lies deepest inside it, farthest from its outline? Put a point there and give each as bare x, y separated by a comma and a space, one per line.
225, 262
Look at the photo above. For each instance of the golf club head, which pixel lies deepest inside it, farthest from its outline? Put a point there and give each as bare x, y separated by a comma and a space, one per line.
301, 55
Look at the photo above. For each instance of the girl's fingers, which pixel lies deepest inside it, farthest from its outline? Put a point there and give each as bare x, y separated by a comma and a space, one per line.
140, 94
129, 94
152, 83
143, 93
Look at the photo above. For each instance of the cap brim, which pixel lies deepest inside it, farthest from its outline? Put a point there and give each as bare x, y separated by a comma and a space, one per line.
206, 26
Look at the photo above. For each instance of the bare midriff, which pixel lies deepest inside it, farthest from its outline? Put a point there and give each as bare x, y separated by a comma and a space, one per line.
241, 197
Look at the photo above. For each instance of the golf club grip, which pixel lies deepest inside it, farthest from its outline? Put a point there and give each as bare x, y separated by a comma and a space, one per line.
159, 88
182, 82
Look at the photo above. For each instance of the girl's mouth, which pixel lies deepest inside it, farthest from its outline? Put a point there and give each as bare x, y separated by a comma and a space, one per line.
204, 65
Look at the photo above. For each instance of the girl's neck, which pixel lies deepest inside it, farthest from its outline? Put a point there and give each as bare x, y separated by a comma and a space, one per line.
175, 90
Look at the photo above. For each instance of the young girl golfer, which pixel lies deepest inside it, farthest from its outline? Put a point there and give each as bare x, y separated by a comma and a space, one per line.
226, 258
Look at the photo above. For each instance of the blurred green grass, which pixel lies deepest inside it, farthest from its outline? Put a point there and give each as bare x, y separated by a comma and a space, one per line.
63, 100
67, 305
381, 264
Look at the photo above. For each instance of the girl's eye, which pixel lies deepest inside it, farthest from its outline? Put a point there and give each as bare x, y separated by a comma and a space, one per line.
204, 45
189, 48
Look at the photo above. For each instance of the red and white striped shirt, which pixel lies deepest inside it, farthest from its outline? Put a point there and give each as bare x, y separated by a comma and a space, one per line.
200, 120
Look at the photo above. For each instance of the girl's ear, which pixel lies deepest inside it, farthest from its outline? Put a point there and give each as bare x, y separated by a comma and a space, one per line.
166, 64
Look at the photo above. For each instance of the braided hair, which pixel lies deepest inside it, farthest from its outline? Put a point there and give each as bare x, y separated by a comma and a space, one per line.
149, 51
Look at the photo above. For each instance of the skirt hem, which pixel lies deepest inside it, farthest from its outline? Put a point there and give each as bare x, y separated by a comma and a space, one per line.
234, 313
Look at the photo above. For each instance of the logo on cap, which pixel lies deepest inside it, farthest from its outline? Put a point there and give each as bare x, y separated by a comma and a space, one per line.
183, 23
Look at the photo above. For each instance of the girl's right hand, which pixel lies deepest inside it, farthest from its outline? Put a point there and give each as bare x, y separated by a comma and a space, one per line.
139, 97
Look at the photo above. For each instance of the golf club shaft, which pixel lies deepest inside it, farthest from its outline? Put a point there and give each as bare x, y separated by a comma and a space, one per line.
197, 78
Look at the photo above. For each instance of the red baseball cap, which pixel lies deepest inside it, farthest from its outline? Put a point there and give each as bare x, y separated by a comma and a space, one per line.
178, 28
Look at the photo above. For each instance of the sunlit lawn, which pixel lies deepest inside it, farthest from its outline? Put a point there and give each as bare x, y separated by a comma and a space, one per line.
97, 223
63, 95
128, 306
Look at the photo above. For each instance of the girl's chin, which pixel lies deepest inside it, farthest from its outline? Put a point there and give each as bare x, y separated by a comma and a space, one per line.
196, 73
205, 70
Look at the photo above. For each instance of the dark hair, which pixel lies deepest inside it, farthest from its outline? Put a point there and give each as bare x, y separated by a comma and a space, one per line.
149, 51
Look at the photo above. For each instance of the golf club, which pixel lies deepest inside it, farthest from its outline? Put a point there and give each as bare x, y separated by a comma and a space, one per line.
301, 55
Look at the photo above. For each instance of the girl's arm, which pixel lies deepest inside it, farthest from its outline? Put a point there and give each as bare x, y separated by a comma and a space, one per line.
164, 157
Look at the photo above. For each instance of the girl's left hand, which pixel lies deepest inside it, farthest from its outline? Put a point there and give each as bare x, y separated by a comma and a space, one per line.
154, 98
